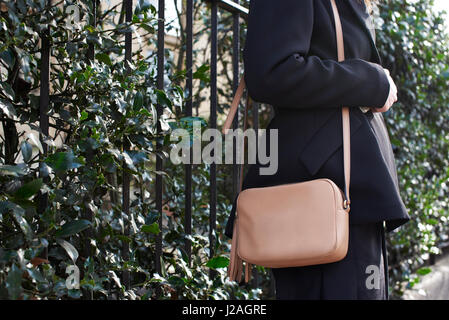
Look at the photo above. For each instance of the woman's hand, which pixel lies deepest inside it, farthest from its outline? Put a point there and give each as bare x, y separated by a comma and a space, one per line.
392, 96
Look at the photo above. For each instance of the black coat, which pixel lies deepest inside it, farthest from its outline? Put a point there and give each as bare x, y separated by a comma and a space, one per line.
290, 62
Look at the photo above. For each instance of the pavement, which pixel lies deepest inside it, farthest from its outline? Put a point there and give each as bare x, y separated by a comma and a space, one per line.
434, 285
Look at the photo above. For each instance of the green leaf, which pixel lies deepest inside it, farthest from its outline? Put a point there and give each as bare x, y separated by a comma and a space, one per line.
36, 275
69, 248
8, 57
152, 228
163, 269
176, 281
27, 151
16, 171
141, 6
89, 28
8, 109
72, 227
4, 207
84, 115
14, 282
18, 214
218, 262
162, 98
44, 169
424, 271
121, 104
8, 91
103, 57
29, 189
129, 162
35, 141
115, 278
121, 237
74, 293
61, 79
138, 100
202, 73
152, 217
62, 161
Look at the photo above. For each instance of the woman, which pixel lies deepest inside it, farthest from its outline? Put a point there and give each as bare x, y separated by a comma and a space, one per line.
290, 60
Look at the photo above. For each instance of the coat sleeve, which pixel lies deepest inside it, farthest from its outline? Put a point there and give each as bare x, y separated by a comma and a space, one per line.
279, 71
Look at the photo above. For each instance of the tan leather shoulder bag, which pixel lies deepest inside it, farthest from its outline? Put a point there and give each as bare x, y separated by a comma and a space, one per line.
295, 224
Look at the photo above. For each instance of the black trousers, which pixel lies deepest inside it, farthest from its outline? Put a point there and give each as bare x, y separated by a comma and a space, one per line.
361, 275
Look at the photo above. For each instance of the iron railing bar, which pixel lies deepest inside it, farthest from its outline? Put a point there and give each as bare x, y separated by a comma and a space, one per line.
213, 124
233, 7
88, 214
188, 112
126, 146
44, 101
159, 109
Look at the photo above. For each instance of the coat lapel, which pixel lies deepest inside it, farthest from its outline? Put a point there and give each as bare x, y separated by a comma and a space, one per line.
366, 22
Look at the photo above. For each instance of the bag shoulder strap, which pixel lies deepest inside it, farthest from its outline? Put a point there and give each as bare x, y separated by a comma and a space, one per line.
345, 110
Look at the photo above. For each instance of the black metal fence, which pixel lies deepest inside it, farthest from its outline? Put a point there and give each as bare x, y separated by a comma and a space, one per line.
238, 12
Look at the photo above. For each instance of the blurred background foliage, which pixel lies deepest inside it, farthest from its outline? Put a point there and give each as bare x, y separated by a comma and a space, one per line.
95, 105
413, 43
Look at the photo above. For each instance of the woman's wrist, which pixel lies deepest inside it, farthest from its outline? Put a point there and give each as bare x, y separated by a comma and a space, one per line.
384, 88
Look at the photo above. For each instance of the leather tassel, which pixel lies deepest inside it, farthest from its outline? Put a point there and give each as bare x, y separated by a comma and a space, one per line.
248, 268
231, 266
239, 270
235, 267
